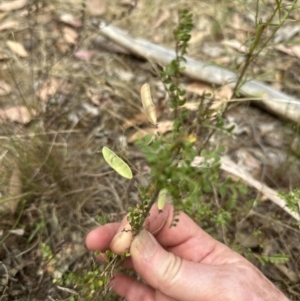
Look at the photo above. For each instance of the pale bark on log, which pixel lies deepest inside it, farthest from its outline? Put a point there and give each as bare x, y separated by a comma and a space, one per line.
232, 168
277, 102
238, 172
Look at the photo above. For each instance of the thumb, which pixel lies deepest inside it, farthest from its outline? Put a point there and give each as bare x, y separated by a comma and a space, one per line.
173, 276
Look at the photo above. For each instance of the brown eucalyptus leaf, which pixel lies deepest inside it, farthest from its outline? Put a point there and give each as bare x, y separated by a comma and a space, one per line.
17, 48
13, 5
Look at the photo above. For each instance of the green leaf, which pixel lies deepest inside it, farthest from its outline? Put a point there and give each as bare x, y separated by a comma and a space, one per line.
207, 187
181, 92
243, 189
170, 71
181, 102
172, 88
222, 190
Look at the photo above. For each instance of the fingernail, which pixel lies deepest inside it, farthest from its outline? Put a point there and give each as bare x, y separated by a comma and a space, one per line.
145, 244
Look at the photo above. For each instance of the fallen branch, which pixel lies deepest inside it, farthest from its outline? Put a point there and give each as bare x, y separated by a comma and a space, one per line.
277, 102
232, 168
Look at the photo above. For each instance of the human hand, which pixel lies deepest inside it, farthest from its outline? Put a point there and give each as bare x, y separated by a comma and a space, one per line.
181, 263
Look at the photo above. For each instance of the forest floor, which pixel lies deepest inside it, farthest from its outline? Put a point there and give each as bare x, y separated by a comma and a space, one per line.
65, 92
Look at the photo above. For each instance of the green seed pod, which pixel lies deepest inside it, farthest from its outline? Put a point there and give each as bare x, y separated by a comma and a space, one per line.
162, 198
116, 163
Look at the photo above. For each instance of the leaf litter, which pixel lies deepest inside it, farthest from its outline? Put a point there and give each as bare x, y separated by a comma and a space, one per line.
69, 179
12, 5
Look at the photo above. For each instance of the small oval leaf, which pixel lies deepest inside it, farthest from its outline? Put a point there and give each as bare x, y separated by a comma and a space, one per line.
116, 163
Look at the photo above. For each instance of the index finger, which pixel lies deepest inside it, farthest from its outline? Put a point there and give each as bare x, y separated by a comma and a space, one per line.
101, 237
186, 239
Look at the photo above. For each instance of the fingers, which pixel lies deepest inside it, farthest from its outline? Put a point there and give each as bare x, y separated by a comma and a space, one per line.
176, 277
170, 277
190, 242
183, 263
186, 240
133, 290
99, 238
122, 240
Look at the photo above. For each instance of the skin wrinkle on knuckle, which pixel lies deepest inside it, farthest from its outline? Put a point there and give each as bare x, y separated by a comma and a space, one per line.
170, 274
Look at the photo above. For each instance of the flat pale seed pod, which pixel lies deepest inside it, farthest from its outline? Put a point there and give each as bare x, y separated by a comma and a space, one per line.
148, 105
116, 163
162, 198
